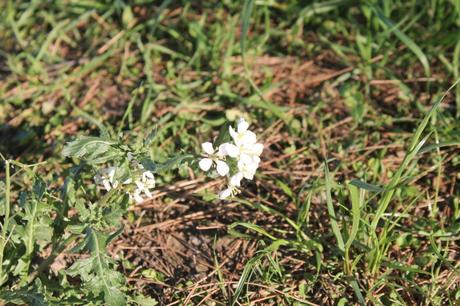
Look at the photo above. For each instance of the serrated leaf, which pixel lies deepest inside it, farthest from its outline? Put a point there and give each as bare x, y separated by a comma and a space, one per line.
95, 241
43, 232
98, 272
39, 188
87, 145
114, 297
142, 300
81, 267
173, 162
23, 297
153, 275
150, 137
148, 164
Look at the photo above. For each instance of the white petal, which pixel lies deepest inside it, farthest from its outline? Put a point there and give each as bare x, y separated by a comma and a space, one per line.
138, 198
232, 150
245, 159
233, 133
228, 149
225, 193
150, 183
205, 164
248, 138
207, 148
249, 175
148, 193
98, 179
148, 175
222, 168
140, 185
242, 125
106, 184
235, 180
222, 152
111, 173
258, 148
247, 168
128, 181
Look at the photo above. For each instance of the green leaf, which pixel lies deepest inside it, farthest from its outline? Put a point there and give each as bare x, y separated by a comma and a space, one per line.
98, 271
39, 188
86, 145
153, 275
246, 18
173, 162
94, 150
150, 136
286, 189
224, 135
366, 186
330, 209
23, 297
436, 146
357, 201
250, 265
148, 164
142, 300
253, 227
103, 130
114, 297
357, 290
404, 38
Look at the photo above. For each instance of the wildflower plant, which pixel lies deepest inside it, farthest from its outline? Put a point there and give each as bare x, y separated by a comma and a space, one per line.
110, 174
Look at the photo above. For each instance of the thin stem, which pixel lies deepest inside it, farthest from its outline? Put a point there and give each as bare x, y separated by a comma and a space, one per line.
5, 224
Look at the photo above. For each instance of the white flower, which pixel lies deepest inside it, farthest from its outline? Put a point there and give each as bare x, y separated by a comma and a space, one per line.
229, 149
144, 184
226, 193
105, 177
213, 157
232, 188
242, 136
243, 149
136, 195
248, 165
235, 180
245, 141
144, 180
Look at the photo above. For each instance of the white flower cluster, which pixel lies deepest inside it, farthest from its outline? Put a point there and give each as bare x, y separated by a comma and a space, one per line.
143, 182
244, 150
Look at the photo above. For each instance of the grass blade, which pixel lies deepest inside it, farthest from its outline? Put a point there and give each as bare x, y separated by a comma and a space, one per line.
436, 146
245, 20
404, 39
330, 209
357, 201
416, 146
366, 186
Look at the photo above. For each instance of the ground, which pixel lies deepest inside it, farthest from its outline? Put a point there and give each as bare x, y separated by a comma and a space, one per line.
336, 90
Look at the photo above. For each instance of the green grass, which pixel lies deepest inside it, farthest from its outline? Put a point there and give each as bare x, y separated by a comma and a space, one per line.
356, 201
